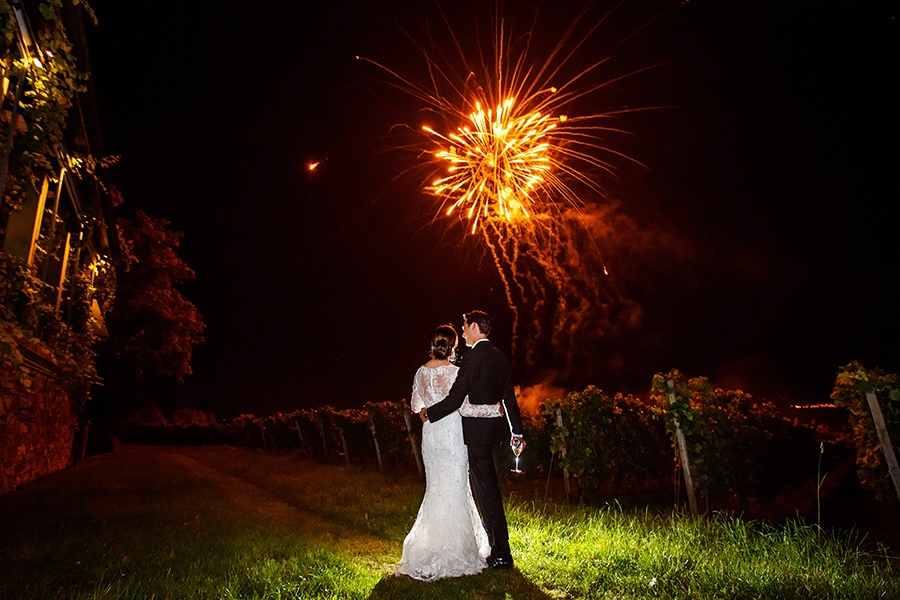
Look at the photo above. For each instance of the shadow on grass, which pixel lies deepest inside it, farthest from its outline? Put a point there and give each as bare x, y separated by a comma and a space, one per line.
489, 585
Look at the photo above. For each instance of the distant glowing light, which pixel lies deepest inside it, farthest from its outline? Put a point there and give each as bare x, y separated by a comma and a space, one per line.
312, 166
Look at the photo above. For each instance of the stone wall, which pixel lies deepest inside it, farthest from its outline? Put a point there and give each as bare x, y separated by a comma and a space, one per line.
36, 426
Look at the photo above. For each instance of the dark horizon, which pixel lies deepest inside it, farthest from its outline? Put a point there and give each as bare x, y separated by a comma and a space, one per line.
757, 239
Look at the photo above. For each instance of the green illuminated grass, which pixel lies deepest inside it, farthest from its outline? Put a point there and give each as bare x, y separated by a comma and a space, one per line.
583, 553
221, 523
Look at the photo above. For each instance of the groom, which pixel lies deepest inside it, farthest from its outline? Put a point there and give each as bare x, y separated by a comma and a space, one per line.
485, 377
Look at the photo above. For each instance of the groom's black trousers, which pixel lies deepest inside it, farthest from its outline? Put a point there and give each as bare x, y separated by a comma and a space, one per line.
484, 461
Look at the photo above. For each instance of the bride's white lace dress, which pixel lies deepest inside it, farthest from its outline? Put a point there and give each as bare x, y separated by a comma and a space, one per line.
447, 539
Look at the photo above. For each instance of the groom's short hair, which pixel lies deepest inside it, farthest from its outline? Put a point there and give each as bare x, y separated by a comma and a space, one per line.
481, 319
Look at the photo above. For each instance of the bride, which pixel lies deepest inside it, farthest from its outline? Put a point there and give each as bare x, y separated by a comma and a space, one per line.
447, 539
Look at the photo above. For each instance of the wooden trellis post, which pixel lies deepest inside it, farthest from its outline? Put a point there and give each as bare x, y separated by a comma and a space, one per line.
885, 440
559, 423
299, 435
322, 434
344, 444
375, 439
412, 442
682, 449
262, 435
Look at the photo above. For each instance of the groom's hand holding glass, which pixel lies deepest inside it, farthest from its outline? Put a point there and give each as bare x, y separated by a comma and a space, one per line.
517, 443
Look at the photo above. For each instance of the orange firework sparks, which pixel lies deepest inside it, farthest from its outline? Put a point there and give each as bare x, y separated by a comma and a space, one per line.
517, 155
497, 165
524, 176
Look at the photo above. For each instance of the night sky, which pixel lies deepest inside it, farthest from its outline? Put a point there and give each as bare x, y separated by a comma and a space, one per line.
759, 239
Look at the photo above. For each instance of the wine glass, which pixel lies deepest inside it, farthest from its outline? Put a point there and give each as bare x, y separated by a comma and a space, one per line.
517, 447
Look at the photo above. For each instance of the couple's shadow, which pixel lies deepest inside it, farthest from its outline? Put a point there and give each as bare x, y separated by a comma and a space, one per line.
492, 584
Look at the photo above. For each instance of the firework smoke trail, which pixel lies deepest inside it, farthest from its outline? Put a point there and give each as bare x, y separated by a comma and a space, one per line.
509, 156
562, 303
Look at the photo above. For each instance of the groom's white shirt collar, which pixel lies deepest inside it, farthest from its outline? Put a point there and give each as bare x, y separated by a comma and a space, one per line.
476, 343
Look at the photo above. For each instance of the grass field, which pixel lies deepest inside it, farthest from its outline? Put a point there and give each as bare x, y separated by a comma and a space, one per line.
222, 523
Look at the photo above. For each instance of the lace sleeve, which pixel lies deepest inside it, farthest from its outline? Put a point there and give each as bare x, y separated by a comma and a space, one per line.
417, 399
481, 411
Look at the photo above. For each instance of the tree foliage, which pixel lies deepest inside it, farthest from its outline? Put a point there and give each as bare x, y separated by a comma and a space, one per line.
153, 329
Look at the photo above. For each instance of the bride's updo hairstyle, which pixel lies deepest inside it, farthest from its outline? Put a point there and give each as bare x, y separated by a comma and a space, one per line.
443, 342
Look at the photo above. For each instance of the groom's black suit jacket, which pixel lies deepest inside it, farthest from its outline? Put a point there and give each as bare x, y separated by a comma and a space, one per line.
485, 376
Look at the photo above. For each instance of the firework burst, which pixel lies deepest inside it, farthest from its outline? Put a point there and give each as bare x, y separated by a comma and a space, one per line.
499, 164
508, 149
516, 160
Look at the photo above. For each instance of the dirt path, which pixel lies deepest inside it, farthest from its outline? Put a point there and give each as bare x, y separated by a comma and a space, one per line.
284, 493
245, 495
